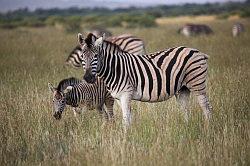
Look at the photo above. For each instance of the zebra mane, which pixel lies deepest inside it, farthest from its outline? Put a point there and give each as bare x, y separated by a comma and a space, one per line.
63, 84
91, 38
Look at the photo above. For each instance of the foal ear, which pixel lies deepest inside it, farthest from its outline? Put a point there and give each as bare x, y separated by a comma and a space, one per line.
68, 89
51, 88
81, 40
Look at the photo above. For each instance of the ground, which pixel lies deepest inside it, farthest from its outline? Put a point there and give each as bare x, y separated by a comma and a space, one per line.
29, 135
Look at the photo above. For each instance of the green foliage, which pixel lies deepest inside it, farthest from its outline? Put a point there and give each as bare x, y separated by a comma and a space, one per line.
52, 20
245, 13
129, 17
72, 24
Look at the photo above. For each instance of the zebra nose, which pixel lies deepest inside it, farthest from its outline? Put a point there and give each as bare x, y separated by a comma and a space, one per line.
89, 79
57, 115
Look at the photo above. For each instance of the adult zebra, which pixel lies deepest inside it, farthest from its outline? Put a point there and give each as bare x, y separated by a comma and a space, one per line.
237, 29
126, 42
195, 29
78, 93
149, 78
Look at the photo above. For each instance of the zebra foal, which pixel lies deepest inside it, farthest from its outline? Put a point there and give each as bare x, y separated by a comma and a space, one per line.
78, 93
150, 78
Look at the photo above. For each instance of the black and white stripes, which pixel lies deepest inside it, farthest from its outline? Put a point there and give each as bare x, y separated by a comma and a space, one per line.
77, 93
150, 78
237, 29
126, 42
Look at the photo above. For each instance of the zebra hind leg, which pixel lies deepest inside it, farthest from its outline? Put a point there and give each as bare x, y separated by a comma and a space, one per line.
205, 105
183, 99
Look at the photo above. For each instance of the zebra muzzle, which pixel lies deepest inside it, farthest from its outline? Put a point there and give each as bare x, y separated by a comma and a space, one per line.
57, 115
89, 77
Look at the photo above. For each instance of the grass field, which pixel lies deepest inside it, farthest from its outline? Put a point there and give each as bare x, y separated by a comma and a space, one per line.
29, 135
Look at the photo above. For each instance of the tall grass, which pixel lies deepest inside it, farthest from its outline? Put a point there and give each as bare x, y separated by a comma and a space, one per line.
30, 58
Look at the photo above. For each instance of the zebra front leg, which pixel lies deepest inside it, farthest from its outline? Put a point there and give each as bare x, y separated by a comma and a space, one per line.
102, 111
109, 103
74, 110
126, 109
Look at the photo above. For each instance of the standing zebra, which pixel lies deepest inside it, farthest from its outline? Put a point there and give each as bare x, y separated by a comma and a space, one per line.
126, 42
150, 78
77, 93
237, 29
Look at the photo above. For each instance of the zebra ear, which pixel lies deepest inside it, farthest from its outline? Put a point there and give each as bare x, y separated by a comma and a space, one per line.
51, 87
81, 40
99, 41
68, 89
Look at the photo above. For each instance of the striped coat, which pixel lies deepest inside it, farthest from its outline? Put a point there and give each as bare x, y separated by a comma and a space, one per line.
126, 42
150, 78
77, 93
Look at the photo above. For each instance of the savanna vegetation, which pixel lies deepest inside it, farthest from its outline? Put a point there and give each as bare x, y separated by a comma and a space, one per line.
73, 19
31, 57
29, 135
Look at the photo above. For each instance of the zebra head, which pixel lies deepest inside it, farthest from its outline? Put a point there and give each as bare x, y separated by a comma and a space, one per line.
90, 55
59, 100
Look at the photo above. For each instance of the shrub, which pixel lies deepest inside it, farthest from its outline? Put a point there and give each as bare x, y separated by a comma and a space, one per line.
72, 24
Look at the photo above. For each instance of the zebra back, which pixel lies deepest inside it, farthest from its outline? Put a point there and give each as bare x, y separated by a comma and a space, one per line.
126, 42
90, 95
63, 84
195, 29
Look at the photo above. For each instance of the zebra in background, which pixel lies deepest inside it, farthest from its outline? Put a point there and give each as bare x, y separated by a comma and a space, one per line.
126, 42
150, 78
195, 29
99, 31
237, 29
78, 93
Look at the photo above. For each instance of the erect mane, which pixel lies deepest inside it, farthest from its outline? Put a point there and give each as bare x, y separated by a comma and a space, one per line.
90, 39
115, 45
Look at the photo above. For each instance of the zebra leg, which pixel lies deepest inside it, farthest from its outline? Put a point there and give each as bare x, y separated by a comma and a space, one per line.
205, 105
109, 103
102, 111
126, 109
74, 110
183, 100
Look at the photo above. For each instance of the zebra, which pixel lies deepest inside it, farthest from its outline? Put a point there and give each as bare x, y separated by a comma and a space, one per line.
195, 29
237, 29
99, 31
78, 93
126, 42
149, 78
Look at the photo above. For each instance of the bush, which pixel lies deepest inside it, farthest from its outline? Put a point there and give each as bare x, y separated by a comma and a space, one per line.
72, 24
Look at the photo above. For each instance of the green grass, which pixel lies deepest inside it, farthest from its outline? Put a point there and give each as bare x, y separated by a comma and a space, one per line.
29, 135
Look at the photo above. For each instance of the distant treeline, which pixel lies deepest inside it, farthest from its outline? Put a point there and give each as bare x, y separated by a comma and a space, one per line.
74, 17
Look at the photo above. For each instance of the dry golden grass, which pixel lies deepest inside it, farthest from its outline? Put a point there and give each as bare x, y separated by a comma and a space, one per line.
185, 19
30, 58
